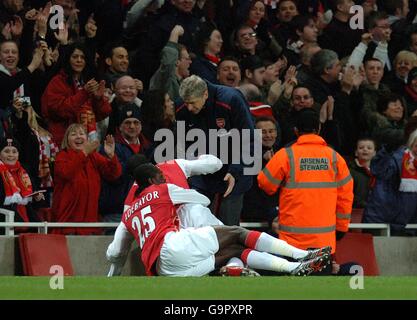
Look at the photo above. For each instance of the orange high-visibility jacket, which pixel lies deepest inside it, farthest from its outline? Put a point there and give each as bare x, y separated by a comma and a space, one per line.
316, 192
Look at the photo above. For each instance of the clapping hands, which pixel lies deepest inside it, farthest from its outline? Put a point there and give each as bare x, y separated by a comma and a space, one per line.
109, 146
96, 89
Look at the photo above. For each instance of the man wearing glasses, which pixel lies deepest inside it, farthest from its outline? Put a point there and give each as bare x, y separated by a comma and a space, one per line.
246, 42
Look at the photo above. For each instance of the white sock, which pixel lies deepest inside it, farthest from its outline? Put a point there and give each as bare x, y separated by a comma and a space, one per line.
266, 261
235, 262
267, 243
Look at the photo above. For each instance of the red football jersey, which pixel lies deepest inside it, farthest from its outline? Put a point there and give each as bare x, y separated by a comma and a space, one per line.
151, 216
173, 174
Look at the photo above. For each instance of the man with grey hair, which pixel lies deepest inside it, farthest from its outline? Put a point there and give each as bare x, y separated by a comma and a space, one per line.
328, 81
207, 106
304, 69
326, 67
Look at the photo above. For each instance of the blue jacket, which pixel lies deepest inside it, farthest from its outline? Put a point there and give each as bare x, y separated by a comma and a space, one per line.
225, 108
113, 194
204, 69
386, 204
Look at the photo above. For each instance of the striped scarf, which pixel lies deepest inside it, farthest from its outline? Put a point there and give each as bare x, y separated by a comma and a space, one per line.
47, 153
17, 187
408, 173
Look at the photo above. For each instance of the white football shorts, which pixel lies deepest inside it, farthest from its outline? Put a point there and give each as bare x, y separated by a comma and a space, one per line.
188, 252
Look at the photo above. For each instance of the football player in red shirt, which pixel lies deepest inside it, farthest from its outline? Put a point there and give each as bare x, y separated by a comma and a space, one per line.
177, 172
170, 251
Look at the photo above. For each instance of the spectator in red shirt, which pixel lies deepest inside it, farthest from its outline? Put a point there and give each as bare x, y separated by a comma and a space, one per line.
74, 96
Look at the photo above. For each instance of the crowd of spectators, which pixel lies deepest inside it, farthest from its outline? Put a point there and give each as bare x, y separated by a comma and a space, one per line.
79, 97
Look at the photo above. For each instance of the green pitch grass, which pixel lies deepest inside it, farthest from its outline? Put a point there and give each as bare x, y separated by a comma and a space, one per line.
159, 288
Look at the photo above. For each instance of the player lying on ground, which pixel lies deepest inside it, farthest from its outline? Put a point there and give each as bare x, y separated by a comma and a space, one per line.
170, 251
190, 215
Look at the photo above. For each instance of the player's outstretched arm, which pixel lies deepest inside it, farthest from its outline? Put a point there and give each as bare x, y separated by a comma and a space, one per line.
179, 195
118, 250
205, 164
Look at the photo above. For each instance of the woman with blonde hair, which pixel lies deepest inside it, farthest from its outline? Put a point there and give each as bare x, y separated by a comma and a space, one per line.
396, 80
79, 169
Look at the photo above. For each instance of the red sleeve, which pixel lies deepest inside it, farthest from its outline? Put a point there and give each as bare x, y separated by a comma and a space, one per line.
68, 163
110, 169
59, 100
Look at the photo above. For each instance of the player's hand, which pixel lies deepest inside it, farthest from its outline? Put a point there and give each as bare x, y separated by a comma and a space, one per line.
230, 184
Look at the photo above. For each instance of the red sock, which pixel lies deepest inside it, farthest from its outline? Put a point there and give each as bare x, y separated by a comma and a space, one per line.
244, 256
252, 239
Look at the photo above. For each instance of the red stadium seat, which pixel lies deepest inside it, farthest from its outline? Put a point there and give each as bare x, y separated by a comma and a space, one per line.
358, 247
41, 251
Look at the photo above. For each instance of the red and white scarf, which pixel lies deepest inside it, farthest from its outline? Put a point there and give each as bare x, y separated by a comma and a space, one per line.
17, 187
86, 115
408, 172
47, 153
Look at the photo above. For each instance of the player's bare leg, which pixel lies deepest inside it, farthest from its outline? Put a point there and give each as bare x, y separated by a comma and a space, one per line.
225, 254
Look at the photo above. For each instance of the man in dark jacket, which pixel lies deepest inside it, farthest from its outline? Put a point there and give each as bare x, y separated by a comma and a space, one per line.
147, 59
12, 79
129, 142
397, 11
252, 211
338, 35
206, 106
326, 69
